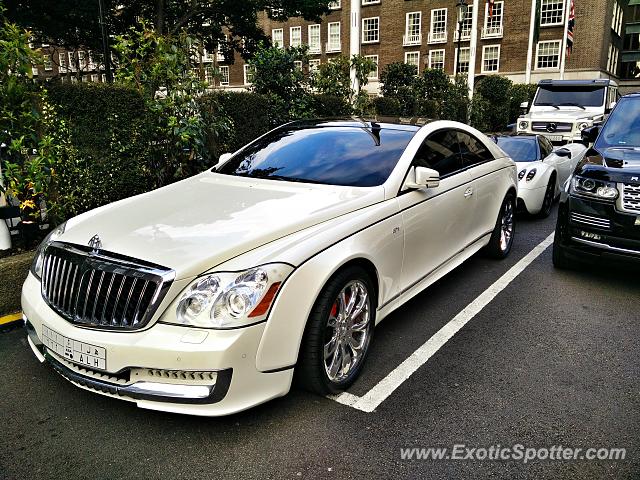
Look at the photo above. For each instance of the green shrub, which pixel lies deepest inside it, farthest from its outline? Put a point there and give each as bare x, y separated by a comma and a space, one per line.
456, 106
398, 81
520, 92
249, 115
490, 108
330, 106
387, 106
431, 89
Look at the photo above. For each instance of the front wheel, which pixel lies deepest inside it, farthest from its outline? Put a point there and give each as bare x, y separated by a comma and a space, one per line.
549, 197
338, 333
502, 237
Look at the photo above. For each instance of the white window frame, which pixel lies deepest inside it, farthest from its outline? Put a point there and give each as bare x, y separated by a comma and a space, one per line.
48, 63
465, 29
431, 57
333, 46
277, 42
315, 48
552, 24
335, 5
364, 21
95, 77
413, 53
412, 37
246, 74
491, 30
298, 41
72, 62
373, 75
370, 2
82, 59
224, 68
298, 64
455, 59
546, 42
439, 36
314, 63
63, 61
485, 48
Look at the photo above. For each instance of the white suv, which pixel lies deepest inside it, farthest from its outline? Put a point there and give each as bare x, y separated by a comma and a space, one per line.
561, 109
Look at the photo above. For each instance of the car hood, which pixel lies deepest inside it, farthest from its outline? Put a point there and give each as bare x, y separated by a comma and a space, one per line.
198, 223
564, 115
612, 164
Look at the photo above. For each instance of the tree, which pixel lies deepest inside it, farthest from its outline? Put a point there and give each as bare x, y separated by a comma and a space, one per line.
398, 81
224, 24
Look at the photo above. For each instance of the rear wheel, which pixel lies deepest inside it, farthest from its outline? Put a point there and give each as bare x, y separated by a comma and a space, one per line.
502, 237
338, 333
549, 197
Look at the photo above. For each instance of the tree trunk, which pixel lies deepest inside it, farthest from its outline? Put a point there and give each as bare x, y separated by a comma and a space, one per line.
160, 16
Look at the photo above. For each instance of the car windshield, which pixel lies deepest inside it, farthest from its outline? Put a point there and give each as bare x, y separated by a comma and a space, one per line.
622, 128
570, 96
520, 149
334, 155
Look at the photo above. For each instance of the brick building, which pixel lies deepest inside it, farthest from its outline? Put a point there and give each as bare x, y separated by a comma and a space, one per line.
425, 33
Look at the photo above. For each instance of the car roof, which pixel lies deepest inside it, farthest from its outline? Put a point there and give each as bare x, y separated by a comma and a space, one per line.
577, 83
389, 123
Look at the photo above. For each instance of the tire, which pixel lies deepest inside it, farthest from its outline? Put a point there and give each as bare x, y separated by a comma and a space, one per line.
560, 260
549, 198
499, 246
325, 329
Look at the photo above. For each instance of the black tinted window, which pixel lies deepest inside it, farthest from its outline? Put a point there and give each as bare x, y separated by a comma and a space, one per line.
546, 146
520, 149
441, 152
557, 95
361, 157
472, 150
622, 128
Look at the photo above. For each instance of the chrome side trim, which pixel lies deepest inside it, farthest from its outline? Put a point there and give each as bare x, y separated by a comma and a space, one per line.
605, 246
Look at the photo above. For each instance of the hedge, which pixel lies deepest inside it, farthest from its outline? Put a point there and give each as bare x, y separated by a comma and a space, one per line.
13, 272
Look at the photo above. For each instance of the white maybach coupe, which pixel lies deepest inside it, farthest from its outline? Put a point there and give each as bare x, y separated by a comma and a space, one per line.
205, 296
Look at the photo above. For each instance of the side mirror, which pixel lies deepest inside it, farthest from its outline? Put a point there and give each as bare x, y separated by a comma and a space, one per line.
223, 158
563, 152
524, 105
590, 134
423, 178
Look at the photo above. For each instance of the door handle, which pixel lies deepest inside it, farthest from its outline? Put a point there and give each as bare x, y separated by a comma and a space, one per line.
468, 192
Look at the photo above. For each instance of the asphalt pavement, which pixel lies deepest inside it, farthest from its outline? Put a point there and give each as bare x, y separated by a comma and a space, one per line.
551, 360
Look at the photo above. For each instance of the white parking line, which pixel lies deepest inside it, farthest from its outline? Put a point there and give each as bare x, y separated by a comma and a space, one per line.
378, 394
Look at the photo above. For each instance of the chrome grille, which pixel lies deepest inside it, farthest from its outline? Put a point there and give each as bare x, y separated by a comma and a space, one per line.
100, 289
631, 197
560, 127
590, 220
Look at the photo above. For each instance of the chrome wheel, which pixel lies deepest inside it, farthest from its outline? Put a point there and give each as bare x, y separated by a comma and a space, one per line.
347, 332
506, 228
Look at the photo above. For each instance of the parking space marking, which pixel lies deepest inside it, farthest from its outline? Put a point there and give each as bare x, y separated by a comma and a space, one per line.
385, 387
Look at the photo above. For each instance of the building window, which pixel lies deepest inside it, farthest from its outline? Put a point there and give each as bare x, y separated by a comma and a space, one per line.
371, 30
333, 31
436, 59
616, 20
493, 25
92, 61
438, 30
373, 74
34, 70
95, 77
295, 36
548, 54
334, 5
551, 12
612, 61
48, 63
314, 64
72, 62
490, 58
277, 37
298, 64
248, 74
462, 63
209, 75
62, 62
465, 29
413, 29
314, 39
370, 2
413, 58
224, 75
82, 60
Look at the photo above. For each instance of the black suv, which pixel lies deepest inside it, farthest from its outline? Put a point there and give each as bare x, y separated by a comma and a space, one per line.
599, 214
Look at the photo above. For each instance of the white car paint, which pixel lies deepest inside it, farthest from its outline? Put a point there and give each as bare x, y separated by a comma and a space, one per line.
532, 192
218, 223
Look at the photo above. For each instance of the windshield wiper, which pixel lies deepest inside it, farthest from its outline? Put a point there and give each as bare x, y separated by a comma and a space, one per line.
569, 104
547, 105
281, 178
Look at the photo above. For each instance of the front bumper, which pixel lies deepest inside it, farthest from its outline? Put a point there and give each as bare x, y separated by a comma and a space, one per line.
531, 198
165, 367
597, 231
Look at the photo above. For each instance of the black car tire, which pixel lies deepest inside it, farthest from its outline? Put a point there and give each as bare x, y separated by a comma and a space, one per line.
549, 199
560, 260
495, 249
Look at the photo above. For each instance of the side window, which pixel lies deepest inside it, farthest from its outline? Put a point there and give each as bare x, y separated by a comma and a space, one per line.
473, 151
441, 152
545, 147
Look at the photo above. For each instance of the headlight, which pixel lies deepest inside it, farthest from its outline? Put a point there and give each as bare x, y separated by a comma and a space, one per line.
523, 125
36, 266
531, 174
583, 125
590, 187
231, 299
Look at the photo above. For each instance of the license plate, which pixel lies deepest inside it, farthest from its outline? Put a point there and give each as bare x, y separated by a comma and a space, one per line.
554, 138
73, 350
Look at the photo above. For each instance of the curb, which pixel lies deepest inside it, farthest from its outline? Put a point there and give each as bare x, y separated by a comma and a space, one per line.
9, 322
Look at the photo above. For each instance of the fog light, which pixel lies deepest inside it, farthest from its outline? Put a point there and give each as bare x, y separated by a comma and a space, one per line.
523, 125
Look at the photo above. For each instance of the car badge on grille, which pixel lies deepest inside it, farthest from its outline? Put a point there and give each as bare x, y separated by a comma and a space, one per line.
96, 244
634, 179
552, 127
